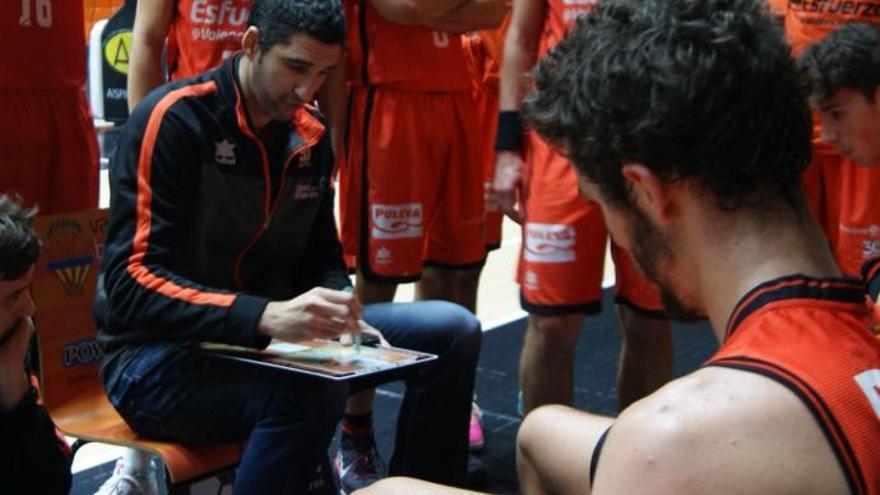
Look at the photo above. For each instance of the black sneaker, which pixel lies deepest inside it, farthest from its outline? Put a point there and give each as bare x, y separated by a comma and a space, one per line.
357, 463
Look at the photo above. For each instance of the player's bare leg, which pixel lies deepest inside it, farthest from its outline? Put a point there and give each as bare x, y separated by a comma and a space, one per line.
410, 486
553, 450
458, 286
546, 367
646, 355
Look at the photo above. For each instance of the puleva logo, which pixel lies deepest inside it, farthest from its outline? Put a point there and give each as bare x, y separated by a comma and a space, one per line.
549, 243
869, 381
224, 153
397, 221
69, 256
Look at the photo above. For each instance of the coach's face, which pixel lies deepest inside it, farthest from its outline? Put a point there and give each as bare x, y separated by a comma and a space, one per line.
16, 303
288, 75
651, 247
851, 122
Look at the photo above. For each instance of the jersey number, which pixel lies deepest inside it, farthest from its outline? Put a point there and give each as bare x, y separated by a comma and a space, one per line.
39, 9
441, 39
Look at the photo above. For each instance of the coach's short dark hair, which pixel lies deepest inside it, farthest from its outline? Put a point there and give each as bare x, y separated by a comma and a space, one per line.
19, 243
701, 90
848, 58
278, 20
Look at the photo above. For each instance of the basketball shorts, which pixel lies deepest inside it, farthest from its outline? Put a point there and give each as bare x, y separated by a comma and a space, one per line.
49, 151
411, 186
563, 252
487, 111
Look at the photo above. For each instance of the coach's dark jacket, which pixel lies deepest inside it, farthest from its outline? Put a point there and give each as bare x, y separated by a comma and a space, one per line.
200, 236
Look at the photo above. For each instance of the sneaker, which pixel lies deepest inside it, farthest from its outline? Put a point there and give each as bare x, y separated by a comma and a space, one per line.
357, 463
476, 438
122, 483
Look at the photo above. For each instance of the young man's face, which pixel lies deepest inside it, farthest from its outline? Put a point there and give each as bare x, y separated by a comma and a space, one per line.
650, 248
16, 303
851, 122
288, 75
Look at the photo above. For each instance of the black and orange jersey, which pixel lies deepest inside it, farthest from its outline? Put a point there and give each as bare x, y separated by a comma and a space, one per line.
188, 166
559, 17
41, 44
203, 33
808, 21
816, 337
410, 58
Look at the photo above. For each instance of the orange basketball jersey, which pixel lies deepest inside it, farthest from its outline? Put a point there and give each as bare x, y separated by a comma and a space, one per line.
203, 33
41, 44
808, 21
411, 58
816, 338
559, 17
483, 51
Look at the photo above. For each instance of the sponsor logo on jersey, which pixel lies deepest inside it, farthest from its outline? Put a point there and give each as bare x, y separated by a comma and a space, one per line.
869, 382
226, 13
549, 243
396, 221
224, 153
305, 191
305, 159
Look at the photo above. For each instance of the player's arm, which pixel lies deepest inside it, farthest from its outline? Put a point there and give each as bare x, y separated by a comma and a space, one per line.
473, 15
445, 15
332, 100
520, 53
151, 24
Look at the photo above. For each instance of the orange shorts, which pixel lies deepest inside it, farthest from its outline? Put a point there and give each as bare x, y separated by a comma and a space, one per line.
411, 186
564, 238
487, 111
49, 150
845, 197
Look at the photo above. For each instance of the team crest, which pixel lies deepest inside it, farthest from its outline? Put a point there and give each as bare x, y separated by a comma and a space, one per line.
70, 256
224, 153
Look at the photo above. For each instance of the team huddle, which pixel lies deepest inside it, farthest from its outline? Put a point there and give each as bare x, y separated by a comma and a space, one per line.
725, 150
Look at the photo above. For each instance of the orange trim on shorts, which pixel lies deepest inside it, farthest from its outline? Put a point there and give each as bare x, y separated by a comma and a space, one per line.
140, 244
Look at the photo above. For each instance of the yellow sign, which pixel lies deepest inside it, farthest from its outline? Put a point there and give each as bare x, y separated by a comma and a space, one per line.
116, 51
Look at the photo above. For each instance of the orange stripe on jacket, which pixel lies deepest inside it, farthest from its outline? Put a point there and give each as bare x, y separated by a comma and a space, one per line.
140, 244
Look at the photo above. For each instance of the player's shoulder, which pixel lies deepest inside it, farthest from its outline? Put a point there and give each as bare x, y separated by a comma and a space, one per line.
710, 432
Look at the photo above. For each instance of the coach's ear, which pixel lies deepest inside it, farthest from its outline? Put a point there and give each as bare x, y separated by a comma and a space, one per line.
651, 195
250, 42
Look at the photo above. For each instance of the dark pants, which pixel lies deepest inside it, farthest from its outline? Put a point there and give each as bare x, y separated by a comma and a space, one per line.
169, 392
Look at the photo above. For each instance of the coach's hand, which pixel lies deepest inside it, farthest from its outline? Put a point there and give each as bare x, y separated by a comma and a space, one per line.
507, 187
322, 313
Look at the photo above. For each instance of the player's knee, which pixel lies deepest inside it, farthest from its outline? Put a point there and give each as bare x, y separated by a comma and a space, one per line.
555, 332
387, 486
533, 431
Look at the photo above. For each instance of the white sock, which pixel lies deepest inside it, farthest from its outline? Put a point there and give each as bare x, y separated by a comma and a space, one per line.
136, 462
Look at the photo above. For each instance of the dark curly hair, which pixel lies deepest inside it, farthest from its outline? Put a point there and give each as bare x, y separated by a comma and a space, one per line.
19, 243
701, 90
278, 20
848, 58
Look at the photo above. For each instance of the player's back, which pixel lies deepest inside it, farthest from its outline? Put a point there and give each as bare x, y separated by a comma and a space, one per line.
410, 58
816, 337
41, 44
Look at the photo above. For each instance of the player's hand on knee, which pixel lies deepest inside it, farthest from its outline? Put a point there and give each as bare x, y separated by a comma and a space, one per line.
320, 312
508, 183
